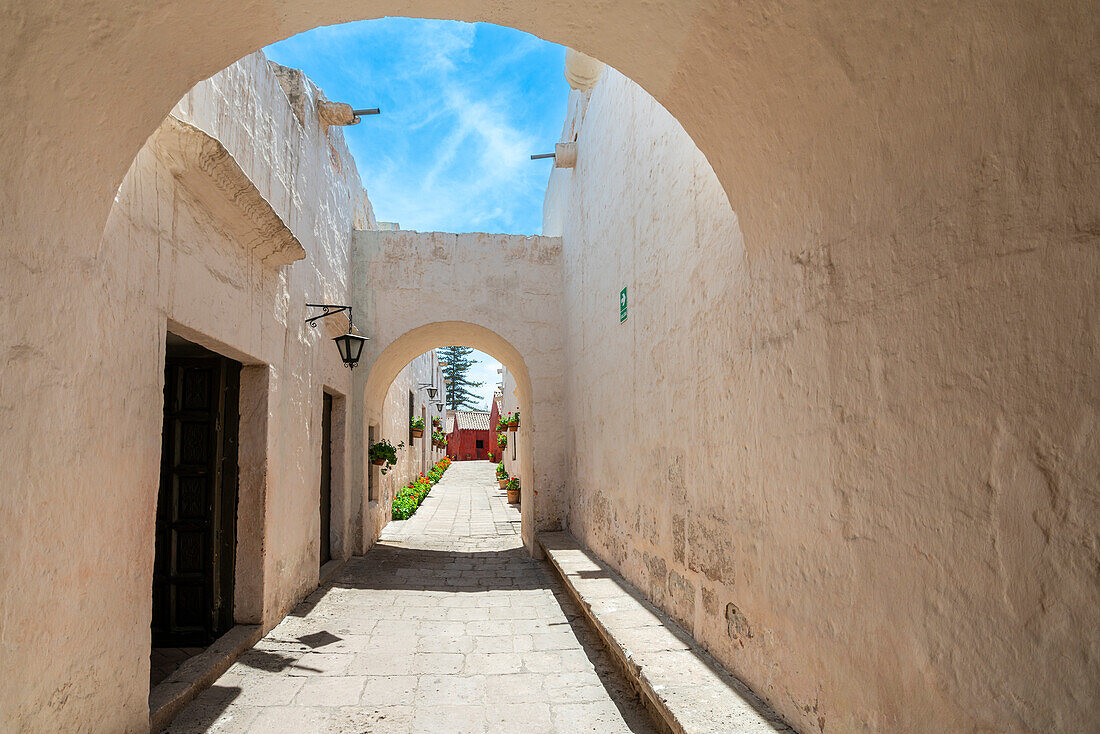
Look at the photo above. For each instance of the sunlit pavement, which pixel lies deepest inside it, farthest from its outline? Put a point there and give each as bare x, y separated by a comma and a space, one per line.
445, 625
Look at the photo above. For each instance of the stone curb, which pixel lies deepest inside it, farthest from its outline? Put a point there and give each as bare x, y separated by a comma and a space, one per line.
197, 674
686, 688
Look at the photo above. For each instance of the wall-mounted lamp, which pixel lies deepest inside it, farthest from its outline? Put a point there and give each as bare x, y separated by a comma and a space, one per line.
349, 345
431, 390
439, 407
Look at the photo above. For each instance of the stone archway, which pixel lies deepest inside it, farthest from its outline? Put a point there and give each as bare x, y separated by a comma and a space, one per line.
497, 293
539, 442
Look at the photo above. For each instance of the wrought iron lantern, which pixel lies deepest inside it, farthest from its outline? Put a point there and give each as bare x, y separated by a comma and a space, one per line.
351, 348
350, 345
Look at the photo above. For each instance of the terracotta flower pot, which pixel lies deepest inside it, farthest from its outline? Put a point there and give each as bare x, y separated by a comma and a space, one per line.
417, 432
513, 428
503, 483
378, 462
513, 496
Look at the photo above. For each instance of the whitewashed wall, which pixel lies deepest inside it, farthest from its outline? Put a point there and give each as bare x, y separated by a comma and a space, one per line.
510, 404
394, 426
175, 264
861, 477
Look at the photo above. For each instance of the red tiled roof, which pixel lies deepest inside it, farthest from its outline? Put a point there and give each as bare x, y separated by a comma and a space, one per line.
472, 420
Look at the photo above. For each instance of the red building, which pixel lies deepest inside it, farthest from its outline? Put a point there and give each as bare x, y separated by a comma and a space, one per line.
468, 435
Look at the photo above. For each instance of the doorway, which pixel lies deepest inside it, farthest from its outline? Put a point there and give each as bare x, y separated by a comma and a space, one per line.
193, 567
326, 480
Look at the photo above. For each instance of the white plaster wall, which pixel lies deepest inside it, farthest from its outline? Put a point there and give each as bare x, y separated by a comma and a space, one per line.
394, 426
863, 475
510, 404
172, 265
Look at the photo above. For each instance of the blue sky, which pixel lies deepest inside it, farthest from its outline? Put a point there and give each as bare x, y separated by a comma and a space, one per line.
463, 108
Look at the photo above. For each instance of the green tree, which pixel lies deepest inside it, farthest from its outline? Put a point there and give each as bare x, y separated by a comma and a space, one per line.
458, 363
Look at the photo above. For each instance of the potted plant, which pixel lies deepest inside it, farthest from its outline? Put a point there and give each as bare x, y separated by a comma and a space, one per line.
384, 454
416, 426
513, 491
436, 423
502, 476
491, 457
502, 440
513, 421
502, 424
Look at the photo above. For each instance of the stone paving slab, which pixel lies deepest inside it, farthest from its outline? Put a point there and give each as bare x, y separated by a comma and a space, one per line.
430, 632
684, 685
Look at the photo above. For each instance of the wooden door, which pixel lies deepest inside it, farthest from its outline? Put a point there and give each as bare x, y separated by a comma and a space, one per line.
326, 479
197, 501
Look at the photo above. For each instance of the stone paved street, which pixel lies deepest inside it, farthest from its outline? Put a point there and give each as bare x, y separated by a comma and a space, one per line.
446, 625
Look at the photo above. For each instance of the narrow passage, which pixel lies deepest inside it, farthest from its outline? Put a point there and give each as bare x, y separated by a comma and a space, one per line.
445, 625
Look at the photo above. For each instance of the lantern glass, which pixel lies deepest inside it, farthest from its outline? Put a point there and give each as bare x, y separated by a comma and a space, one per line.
439, 407
431, 392
351, 348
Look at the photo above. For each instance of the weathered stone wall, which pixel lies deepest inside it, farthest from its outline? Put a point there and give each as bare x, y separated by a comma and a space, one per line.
863, 475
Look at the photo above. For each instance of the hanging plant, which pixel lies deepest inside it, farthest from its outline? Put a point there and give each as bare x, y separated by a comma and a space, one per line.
513, 421
416, 426
384, 454
502, 440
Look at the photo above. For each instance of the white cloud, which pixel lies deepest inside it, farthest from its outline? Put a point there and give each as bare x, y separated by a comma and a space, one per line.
463, 106
485, 370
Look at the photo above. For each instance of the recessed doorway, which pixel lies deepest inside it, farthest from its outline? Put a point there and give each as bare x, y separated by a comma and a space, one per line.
193, 568
326, 480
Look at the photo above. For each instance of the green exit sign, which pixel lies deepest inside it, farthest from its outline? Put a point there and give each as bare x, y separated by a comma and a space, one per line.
622, 305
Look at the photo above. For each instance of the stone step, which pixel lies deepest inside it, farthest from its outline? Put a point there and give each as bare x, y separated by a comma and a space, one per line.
686, 688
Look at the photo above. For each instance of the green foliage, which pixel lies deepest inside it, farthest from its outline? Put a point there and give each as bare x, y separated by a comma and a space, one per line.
385, 450
502, 440
416, 423
501, 473
513, 484
409, 497
459, 386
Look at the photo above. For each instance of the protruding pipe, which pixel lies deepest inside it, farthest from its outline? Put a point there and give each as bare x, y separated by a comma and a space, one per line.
339, 113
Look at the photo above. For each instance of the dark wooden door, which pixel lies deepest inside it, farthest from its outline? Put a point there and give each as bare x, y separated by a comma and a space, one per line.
197, 501
326, 478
